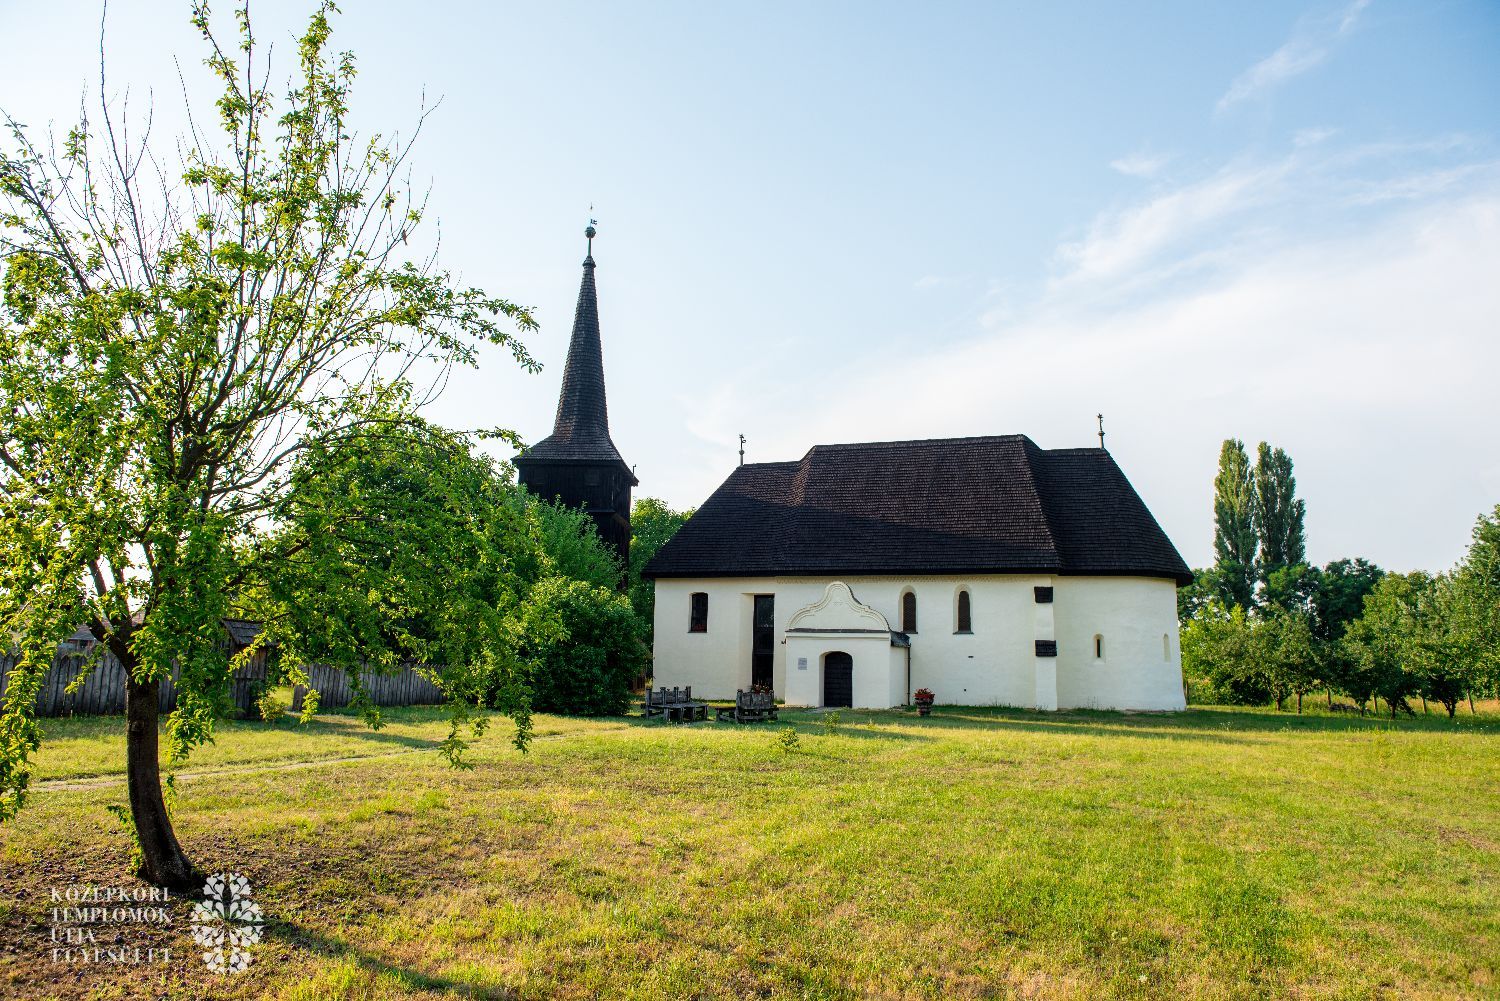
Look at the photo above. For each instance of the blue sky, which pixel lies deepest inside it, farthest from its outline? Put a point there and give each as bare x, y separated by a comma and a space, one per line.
850, 222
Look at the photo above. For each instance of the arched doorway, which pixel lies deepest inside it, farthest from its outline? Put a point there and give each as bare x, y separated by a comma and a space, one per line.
838, 679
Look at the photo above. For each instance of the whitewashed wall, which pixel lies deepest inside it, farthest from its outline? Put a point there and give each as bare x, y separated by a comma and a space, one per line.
995, 665
1133, 616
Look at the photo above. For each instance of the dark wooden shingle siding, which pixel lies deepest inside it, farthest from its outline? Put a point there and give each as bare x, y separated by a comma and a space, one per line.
957, 505
580, 428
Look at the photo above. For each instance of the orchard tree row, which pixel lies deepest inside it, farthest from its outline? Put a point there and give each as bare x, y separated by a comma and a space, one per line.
1263, 626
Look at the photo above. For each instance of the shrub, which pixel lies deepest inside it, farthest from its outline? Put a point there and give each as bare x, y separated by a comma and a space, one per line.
831, 723
269, 706
788, 740
582, 648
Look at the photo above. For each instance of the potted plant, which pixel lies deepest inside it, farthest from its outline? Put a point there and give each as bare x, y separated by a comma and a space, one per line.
923, 698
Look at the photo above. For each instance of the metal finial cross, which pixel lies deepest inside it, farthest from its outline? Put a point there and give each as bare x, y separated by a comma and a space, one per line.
1101, 430
742, 450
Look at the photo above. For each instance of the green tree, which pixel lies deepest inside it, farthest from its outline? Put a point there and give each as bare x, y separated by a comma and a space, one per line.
1291, 589
165, 358
1234, 526
1221, 655
396, 544
1285, 654
1474, 604
1439, 650
583, 647
1193, 598
652, 523
564, 542
1338, 596
1278, 513
1384, 644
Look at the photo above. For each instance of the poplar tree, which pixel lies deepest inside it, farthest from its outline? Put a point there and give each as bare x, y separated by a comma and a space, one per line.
1234, 525
1278, 513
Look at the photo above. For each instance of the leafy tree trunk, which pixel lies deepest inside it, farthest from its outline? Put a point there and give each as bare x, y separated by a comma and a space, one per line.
1299, 703
1330, 697
162, 861
1471, 705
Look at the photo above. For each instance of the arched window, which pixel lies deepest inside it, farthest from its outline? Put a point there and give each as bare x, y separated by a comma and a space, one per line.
965, 620
909, 612
698, 612
1098, 647
1166, 647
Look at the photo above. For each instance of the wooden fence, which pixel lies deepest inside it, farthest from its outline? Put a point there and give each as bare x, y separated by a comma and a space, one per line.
102, 693
408, 687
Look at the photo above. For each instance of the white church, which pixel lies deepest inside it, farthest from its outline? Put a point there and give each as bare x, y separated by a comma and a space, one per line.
987, 570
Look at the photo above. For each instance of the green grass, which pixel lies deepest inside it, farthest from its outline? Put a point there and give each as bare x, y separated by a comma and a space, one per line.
978, 853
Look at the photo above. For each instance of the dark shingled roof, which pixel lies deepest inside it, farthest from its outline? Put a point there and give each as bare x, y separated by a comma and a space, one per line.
580, 431
955, 505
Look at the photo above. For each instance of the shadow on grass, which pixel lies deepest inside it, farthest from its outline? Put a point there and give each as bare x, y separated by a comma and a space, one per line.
1209, 723
337, 949
324, 725
858, 726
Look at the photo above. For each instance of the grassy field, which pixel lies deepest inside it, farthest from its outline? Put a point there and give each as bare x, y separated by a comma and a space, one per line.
978, 853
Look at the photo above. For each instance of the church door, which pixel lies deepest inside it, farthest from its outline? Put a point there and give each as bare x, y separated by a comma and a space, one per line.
838, 679
763, 642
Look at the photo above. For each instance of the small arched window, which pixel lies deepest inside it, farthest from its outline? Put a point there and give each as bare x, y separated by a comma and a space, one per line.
965, 619
909, 612
1098, 647
698, 612
1166, 647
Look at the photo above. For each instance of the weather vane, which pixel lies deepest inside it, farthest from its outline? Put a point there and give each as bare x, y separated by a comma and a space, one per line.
742, 450
589, 230
1101, 430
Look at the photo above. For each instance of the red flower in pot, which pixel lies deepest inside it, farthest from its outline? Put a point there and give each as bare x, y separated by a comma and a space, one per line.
923, 698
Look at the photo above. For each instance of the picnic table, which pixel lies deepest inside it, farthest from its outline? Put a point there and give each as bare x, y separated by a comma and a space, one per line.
749, 707
675, 705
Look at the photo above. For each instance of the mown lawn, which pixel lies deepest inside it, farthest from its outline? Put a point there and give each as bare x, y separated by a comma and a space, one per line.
979, 853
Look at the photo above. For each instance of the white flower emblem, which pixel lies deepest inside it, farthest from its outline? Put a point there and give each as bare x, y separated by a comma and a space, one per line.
227, 922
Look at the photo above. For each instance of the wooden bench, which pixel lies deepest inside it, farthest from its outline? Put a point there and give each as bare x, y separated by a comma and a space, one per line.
675, 705
749, 707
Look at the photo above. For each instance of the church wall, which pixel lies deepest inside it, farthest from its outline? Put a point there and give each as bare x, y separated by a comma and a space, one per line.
1131, 615
996, 664
717, 662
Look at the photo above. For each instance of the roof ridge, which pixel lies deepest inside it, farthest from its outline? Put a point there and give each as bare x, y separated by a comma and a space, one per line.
968, 439
1029, 451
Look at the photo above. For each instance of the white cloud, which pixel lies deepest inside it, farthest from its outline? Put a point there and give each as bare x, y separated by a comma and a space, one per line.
1311, 137
1347, 352
1415, 186
1365, 348
1308, 47
1141, 164
1121, 242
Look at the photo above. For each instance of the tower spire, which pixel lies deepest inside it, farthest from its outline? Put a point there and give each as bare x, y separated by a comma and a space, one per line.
582, 418
577, 463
